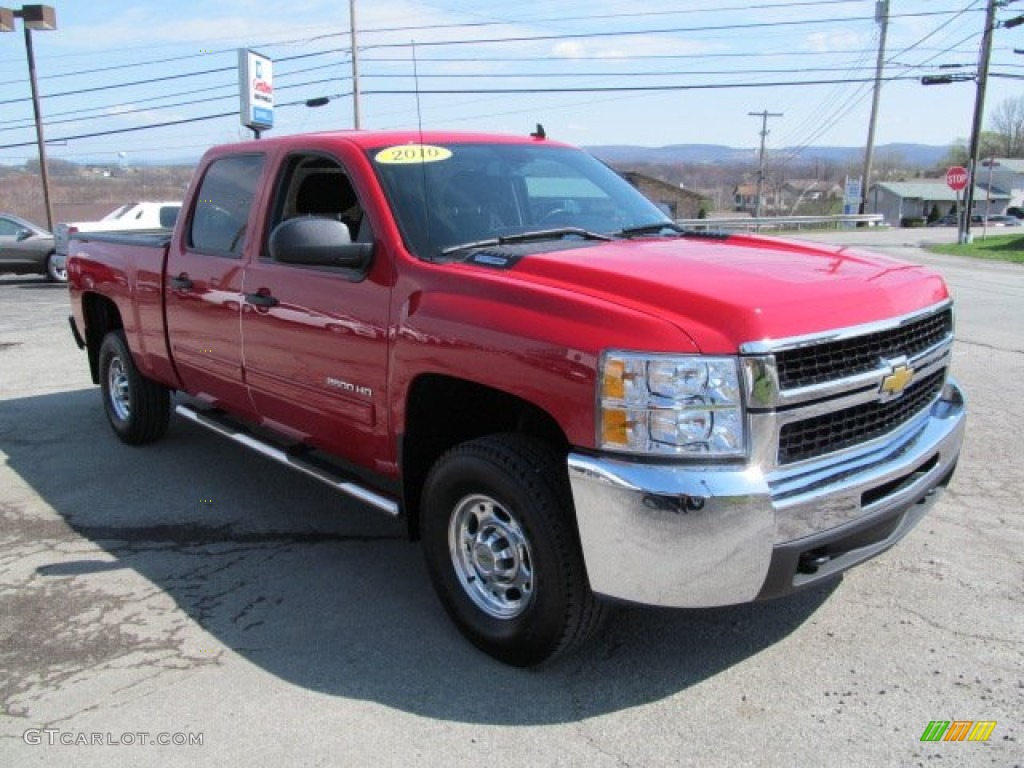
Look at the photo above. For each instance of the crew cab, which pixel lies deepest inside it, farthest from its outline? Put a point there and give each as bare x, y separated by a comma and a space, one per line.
568, 399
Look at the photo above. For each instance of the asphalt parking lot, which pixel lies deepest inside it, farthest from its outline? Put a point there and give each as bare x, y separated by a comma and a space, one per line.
196, 594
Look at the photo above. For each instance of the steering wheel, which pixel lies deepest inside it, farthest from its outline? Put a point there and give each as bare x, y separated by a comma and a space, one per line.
556, 217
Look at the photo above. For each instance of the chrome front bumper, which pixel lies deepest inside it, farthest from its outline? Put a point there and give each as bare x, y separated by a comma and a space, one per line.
704, 535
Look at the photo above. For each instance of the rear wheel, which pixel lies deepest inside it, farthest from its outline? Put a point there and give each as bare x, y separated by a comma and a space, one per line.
54, 272
500, 541
137, 408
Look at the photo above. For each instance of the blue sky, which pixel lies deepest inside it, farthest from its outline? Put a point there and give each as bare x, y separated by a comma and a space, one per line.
719, 59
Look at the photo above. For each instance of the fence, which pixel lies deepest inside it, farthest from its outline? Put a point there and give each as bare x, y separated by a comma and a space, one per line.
747, 223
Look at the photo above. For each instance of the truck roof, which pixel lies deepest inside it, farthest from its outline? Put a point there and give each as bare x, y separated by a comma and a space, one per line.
379, 139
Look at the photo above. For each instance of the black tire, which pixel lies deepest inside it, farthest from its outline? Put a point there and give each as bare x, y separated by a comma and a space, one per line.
138, 409
515, 491
53, 274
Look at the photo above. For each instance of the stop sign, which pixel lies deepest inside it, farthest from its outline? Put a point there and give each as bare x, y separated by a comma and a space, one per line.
956, 177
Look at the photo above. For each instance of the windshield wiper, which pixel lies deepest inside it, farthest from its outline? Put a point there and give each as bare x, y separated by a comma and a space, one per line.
651, 229
526, 237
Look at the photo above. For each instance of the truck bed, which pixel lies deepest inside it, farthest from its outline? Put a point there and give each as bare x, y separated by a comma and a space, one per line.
154, 238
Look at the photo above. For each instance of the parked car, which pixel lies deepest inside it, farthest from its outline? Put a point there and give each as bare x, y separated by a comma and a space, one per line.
996, 221
949, 220
26, 248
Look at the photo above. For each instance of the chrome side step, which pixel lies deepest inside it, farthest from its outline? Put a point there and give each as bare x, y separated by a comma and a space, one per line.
337, 481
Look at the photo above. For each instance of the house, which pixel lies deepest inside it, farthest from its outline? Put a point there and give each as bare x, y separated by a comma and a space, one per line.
1002, 175
901, 200
811, 196
744, 198
675, 201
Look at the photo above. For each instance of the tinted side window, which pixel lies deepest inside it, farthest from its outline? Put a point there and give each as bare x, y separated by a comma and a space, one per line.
222, 207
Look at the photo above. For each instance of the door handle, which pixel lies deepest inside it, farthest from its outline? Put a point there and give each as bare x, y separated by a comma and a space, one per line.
182, 282
261, 299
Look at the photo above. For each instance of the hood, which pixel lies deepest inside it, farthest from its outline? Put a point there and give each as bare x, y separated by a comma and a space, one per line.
724, 292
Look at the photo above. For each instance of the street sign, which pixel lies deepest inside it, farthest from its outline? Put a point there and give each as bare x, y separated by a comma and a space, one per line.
255, 90
956, 177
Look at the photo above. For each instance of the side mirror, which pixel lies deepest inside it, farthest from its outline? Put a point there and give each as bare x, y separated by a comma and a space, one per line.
316, 242
24, 234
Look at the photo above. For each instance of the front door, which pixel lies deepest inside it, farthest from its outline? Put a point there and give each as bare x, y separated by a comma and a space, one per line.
315, 339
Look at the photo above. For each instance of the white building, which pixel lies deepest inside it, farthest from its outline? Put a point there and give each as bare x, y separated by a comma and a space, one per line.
899, 200
1004, 176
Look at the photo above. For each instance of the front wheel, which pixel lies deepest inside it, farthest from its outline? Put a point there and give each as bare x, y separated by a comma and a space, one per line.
137, 408
54, 272
501, 545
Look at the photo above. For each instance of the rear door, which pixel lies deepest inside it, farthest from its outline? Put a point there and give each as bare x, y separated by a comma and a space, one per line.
203, 283
315, 339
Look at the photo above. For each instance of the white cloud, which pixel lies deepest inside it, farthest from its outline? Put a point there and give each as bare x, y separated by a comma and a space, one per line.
569, 49
839, 40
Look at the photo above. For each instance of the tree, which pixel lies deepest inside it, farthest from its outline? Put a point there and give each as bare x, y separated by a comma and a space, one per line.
989, 145
1008, 127
55, 165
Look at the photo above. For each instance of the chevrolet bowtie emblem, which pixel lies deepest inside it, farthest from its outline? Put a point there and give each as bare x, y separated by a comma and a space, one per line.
897, 381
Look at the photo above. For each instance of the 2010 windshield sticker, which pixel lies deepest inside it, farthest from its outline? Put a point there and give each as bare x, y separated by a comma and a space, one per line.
408, 154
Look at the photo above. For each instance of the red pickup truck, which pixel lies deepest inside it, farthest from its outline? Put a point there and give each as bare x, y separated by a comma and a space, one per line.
570, 400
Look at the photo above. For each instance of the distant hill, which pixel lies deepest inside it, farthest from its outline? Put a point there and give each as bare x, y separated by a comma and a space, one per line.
916, 155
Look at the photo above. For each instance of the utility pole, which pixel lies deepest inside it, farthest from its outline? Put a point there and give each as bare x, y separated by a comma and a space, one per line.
760, 169
882, 18
355, 66
41, 17
979, 113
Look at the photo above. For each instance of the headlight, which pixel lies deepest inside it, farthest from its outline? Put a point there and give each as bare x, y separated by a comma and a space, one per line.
676, 405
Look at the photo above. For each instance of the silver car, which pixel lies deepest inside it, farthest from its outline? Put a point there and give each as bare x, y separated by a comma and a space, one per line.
28, 249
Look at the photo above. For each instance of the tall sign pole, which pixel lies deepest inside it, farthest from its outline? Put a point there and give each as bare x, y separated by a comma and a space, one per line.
39, 17
37, 111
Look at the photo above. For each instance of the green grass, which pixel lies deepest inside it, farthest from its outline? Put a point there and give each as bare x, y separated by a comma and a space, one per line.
998, 248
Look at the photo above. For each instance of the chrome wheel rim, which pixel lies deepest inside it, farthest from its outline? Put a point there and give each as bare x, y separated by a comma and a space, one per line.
491, 556
117, 386
57, 273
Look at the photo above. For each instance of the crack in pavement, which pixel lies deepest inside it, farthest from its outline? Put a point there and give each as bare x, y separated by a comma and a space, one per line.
983, 345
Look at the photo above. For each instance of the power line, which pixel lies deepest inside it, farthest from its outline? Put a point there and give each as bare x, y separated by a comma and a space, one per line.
164, 78
479, 91
647, 14
862, 90
732, 28
104, 109
620, 89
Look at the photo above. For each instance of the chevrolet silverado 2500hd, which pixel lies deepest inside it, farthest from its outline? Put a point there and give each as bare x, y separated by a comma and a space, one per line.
568, 399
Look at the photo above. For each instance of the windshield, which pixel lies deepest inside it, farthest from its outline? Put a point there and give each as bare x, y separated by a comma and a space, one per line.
460, 194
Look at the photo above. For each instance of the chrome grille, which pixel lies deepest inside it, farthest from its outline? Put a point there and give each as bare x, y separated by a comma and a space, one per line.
806, 366
816, 436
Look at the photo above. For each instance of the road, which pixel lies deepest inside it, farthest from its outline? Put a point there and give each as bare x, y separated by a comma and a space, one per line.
192, 591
